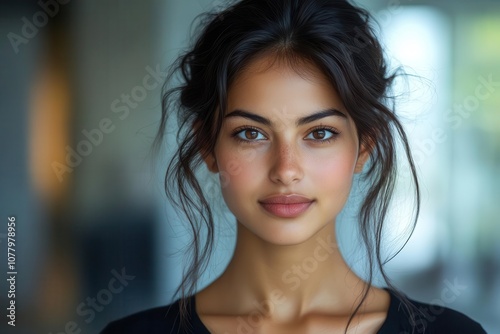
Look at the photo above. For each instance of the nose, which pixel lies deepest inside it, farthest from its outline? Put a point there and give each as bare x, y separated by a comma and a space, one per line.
286, 167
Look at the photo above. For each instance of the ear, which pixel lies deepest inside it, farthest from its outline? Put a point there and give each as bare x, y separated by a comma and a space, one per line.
211, 163
209, 158
363, 155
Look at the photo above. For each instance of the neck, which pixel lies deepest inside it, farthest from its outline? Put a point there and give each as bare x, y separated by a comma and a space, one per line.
302, 276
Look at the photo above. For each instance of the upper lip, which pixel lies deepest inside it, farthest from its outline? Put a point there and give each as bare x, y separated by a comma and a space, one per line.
285, 199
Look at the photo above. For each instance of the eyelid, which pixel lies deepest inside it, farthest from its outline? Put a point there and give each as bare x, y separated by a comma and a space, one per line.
235, 132
246, 127
325, 127
331, 129
240, 129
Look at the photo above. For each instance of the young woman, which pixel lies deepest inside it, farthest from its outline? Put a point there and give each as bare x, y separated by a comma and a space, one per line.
286, 100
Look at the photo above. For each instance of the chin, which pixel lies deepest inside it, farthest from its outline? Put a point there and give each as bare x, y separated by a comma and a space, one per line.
283, 233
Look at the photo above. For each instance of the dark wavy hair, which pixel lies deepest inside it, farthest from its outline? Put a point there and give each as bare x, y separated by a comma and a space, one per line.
337, 37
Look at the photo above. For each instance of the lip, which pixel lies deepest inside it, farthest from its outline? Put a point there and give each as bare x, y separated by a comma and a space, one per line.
286, 206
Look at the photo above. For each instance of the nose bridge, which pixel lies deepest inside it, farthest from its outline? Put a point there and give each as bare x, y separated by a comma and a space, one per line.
286, 162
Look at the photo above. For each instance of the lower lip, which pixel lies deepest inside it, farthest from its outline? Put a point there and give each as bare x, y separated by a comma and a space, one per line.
286, 210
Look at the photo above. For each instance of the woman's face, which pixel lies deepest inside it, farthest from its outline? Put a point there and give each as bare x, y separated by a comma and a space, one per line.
271, 143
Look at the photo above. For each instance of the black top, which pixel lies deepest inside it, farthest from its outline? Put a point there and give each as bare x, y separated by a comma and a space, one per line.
435, 318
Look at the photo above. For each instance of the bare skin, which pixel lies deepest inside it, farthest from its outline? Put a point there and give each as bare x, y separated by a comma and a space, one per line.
287, 275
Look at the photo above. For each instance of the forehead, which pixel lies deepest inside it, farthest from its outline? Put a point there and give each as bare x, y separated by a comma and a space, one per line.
268, 84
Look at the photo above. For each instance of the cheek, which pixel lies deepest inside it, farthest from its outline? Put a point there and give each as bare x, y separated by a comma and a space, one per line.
334, 172
239, 181
238, 170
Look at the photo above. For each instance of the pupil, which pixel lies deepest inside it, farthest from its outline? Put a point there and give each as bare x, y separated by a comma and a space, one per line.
253, 134
321, 134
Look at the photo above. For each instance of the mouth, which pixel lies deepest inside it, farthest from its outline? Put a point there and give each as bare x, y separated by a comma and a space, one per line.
286, 206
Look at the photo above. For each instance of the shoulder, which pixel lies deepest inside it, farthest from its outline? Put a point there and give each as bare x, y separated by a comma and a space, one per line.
428, 318
164, 319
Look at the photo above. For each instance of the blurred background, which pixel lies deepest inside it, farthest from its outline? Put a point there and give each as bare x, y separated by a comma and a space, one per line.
96, 238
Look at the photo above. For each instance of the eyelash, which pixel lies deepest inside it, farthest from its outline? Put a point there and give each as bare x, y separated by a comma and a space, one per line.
334, 132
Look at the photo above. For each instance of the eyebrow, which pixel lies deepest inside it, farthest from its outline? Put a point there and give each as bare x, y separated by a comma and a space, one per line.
301, 121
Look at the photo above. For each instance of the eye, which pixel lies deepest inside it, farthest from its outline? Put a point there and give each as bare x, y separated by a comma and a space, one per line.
321, 134
324, 134
247, 134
